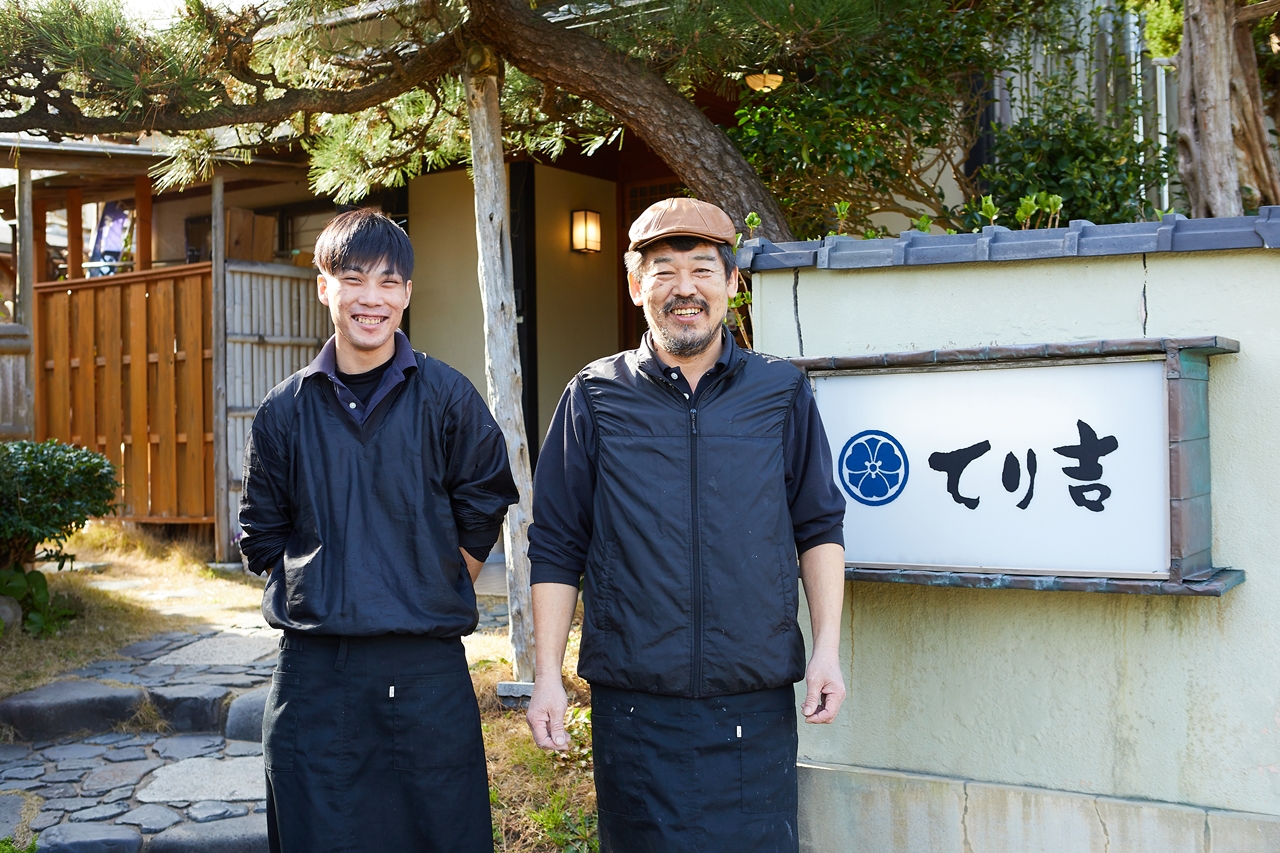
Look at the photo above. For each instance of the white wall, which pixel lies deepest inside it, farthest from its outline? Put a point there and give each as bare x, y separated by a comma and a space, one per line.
1153, 697
577, 293
445, 318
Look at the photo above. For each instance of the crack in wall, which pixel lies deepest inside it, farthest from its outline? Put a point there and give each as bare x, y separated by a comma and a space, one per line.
964, 820
1208, 837
1144, 294
795, 307
1106, 835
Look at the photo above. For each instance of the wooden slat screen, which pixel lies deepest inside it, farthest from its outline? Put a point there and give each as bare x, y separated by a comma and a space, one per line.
123, 365
275, 326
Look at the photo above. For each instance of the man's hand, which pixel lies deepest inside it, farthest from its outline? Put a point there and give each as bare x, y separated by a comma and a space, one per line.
546, 714
825, 689
822, 570
553, 606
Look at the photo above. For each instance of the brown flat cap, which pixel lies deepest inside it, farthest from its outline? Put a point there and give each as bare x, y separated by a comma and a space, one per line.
682, 217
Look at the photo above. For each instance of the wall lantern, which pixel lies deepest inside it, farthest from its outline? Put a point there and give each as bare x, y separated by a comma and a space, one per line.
765, 82
584, 231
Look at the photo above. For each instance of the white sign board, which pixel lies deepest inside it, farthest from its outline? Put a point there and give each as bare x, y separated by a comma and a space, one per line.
1046, 470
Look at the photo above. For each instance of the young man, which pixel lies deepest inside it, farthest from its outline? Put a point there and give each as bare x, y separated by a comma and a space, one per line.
376, 482
678, 483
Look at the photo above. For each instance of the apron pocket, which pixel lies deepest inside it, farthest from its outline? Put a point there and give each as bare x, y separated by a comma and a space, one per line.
436, 722
624, 780
280, 721
768, 762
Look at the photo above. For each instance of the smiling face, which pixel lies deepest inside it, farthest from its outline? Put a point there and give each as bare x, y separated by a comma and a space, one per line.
685, 296
366, 305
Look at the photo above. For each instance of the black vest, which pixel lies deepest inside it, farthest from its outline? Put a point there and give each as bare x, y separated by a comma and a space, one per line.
691, 577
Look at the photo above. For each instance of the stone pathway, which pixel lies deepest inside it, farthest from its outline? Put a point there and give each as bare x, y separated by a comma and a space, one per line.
493, 612
200, 787
193, 790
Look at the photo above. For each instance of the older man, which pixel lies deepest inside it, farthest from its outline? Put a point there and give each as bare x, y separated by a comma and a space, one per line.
678, 484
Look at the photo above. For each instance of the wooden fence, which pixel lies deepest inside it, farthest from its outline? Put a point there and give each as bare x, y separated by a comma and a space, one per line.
15, 404
275, 327
123, 365
126, 362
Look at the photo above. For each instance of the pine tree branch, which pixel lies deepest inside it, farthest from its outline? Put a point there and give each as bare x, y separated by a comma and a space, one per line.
57, 115
1248, 14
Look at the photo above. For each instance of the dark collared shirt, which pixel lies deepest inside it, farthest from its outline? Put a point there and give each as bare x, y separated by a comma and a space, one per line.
359, 510
564, 483
327, 363
676, 375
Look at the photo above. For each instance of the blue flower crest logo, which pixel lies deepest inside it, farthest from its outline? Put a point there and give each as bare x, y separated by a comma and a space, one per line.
873, 468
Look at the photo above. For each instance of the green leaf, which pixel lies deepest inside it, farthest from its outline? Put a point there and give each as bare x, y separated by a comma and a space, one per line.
38, 587
12, 583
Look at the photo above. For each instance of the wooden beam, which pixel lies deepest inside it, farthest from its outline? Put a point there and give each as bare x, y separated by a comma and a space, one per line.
75, 234
142, 223
24, 307
223, 523
26, 249
40, 244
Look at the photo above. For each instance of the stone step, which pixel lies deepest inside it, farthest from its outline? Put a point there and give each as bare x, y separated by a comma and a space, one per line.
116, 792
65, 707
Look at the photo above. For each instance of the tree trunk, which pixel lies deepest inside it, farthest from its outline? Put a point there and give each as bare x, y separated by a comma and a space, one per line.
698, 152
1206, 146
502, 357
1258, 169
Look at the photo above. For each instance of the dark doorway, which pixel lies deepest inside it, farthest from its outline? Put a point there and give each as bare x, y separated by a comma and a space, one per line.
524, 274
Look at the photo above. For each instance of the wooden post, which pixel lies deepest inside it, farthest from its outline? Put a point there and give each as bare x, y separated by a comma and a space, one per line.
75, 233
24, 299
142, 223
221, 508
39, 239
502, 356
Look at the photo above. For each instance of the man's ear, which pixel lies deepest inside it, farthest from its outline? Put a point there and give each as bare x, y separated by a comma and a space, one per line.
408, 292
634, 287
732, 283
322, 289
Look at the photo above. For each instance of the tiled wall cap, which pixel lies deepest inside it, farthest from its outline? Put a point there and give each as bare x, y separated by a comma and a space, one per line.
1173, 233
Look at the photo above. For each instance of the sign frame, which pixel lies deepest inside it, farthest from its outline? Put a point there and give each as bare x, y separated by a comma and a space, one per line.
1186, 373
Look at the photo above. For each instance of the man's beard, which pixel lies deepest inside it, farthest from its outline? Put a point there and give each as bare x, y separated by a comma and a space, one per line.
684, 345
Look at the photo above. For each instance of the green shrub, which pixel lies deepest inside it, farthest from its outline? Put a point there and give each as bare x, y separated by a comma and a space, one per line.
48, 491
1103, 173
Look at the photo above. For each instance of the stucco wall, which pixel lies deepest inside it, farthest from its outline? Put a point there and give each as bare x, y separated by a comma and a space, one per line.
445, 318
1160, 698
577, 293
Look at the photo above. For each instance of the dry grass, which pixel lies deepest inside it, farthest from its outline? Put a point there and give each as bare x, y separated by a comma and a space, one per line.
107, 623
108, 620
542, 802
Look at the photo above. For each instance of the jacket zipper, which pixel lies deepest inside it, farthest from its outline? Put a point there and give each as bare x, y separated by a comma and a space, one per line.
696, 677
696, 674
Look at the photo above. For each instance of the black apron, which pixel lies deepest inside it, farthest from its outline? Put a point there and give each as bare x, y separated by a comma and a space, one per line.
677, 775
374, 744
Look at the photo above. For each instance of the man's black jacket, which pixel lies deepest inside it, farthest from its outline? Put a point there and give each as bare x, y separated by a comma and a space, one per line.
682, 517
362, 523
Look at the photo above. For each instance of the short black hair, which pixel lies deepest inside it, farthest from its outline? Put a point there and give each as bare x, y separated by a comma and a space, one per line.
682, 243
360, 239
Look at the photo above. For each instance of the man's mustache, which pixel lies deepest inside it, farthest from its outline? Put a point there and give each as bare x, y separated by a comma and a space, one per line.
684, 302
